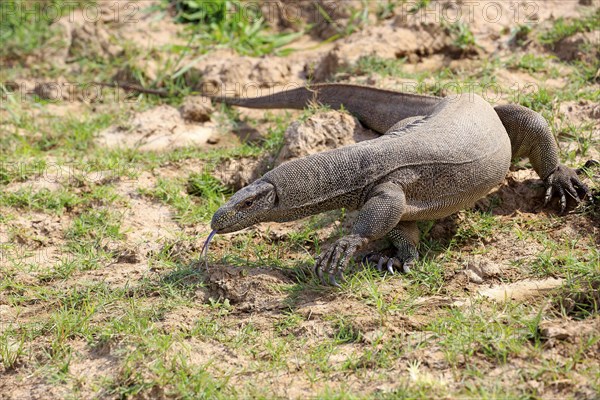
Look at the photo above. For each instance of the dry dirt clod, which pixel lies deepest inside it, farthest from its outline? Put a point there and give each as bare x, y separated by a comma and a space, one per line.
196, 109
237, 173
552, 331
575, 47
477, 272
228, 74
255, 289
320, 132
391, 41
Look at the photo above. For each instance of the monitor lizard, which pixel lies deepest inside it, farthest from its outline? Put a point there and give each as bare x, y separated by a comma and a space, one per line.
435, 156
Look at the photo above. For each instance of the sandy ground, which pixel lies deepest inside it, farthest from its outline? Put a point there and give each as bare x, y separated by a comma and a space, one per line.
488, 274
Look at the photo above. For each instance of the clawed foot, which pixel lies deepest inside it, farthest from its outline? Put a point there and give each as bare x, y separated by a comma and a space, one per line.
331, 264
391, 263
562, 182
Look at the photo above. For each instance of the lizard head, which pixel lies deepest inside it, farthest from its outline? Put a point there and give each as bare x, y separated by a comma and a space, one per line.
248, 206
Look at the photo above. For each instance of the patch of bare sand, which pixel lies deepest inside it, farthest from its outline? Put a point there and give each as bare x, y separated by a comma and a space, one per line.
185, 318
584, 116
28, 386
146, 224
88, 366
216, 357
32, 244
159, 129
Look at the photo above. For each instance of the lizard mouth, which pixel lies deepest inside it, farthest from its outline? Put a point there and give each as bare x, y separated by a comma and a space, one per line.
225, 221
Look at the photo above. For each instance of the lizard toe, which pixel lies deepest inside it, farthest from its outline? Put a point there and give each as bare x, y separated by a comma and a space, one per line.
408, 266
563, 183
321, 265
392, 264
332, 264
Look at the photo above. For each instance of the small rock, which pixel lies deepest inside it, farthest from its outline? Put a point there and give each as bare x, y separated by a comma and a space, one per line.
196, 109
549, 331
213, 140
375, 336
473, 277
477, 272
489, 269
595, 112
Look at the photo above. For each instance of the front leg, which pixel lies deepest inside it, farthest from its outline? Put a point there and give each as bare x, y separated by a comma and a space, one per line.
380, 214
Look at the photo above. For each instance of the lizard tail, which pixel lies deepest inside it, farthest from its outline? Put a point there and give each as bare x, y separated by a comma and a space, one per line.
297, 98
377, 109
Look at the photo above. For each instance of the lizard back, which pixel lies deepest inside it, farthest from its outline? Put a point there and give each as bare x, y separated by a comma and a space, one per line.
459, 152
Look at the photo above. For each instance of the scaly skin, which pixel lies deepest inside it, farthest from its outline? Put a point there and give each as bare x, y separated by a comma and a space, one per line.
437, 156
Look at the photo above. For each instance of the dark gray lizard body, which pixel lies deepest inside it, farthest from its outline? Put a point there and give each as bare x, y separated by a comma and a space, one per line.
437, 155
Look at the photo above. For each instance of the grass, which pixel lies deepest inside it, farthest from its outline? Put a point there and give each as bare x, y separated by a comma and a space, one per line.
461, 35
497, 334
111, 313
531, 63
563, 28
43, 200
23, 31
226, 23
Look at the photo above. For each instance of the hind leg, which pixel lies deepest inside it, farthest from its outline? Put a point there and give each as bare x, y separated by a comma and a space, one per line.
404, 237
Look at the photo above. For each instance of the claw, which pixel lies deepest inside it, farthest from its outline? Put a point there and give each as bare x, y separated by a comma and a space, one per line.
548, 196
563, 200
380, 264
572, 192
333, 282
340, 277
581, 187
335, 260
390, 266
319, 270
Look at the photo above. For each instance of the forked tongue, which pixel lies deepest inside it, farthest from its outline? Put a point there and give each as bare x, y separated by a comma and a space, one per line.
204, 251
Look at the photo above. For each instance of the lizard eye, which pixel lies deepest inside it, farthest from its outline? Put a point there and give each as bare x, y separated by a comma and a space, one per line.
248, 203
